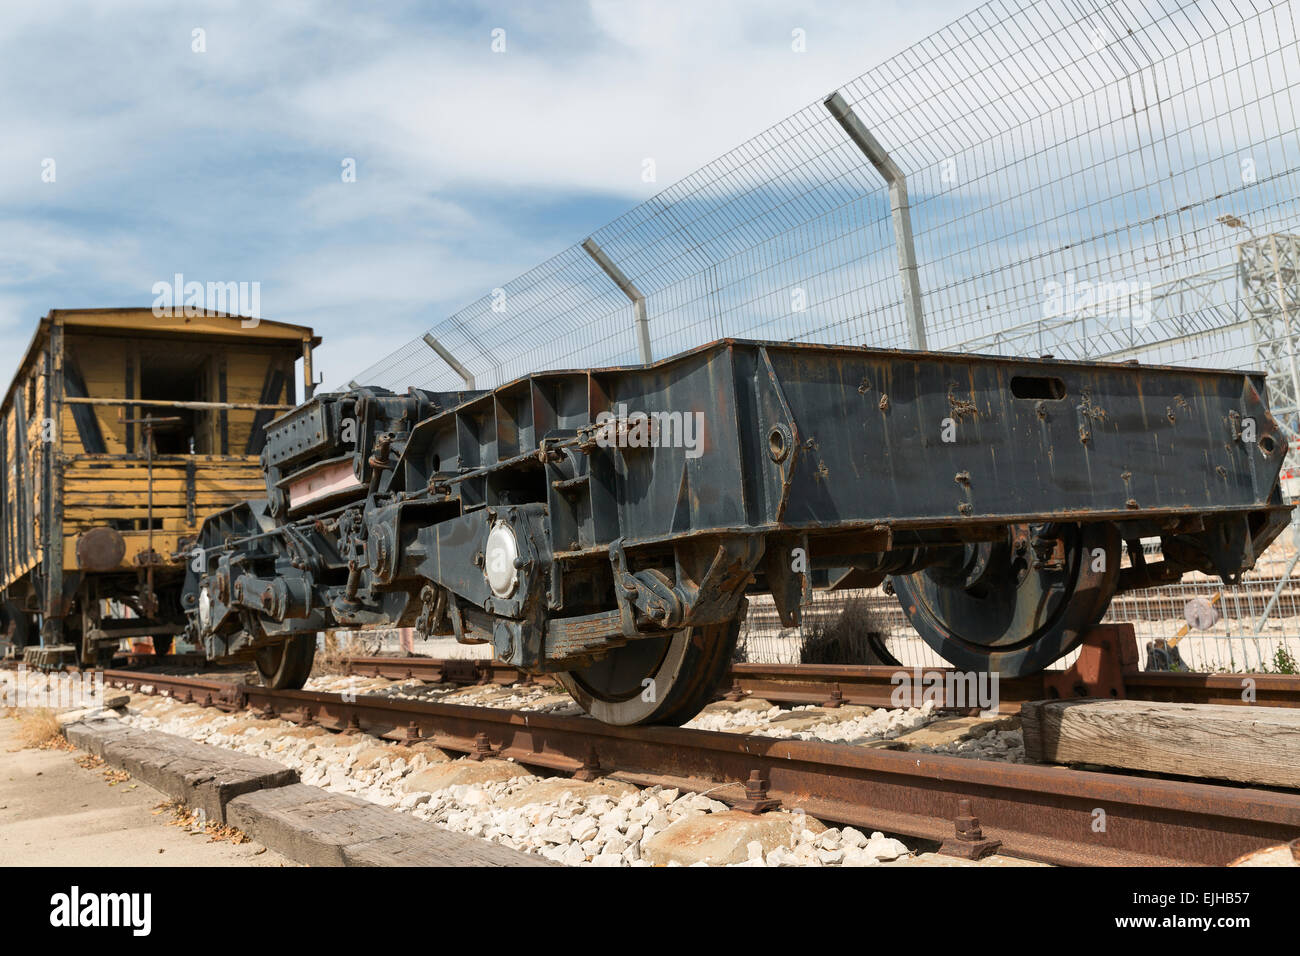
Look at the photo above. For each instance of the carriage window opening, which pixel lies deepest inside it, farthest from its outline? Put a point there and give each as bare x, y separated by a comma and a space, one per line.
173, 378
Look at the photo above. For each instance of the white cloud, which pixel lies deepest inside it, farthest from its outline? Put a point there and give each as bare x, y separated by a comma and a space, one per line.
225, 164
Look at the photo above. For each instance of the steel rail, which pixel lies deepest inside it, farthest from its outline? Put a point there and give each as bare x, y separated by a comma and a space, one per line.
1053, 814
871, 685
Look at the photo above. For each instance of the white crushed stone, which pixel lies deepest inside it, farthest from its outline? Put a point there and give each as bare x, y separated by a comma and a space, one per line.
879, 724
538, 698
577, 830
1007, 746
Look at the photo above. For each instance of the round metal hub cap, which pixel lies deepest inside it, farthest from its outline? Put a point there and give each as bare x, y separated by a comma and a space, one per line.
499, 560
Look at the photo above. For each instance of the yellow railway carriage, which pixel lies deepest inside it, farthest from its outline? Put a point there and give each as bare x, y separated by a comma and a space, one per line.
120, 431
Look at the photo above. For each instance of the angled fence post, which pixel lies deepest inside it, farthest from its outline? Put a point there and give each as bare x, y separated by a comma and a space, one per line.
902, 214
632, 292
450, 359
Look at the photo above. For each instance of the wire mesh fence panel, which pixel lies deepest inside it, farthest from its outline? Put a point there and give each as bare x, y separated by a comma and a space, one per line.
1084, 179
1076, 172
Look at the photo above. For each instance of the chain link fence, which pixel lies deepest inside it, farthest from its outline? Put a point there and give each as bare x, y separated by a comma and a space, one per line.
1085, 179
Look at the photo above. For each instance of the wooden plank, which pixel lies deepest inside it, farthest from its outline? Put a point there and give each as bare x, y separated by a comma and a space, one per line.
1251, 744
123, 499
115, 461
200, 775
319, 828
144, 323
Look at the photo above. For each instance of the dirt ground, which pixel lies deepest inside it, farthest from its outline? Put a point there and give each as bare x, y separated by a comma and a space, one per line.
54, 812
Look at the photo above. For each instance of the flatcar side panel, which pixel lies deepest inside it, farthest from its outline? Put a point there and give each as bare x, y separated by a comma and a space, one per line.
925, 438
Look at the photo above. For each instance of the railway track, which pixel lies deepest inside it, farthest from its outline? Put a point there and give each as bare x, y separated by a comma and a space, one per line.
871, 685
1037, 812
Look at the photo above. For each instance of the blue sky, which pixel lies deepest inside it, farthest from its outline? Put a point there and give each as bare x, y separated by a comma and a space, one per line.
472, 165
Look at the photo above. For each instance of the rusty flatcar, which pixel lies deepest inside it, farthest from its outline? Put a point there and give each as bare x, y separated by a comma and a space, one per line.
618, 551
121, 430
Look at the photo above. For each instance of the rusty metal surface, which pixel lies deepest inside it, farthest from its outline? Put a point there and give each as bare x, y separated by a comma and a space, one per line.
1038, 812
634, 503
100, 549
873, 685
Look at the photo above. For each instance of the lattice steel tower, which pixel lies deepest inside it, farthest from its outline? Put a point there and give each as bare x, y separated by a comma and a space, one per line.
1269, 271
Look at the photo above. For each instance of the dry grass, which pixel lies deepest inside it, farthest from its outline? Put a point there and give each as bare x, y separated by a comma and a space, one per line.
195, 821
342, 645
845, 639
39, 729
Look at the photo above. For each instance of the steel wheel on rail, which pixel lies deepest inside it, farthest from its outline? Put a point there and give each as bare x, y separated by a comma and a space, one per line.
656, 680
1003, 608
286, 665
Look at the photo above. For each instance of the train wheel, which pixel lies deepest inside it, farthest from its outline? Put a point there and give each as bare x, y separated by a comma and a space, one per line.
1006, 610
656, 680
286, 665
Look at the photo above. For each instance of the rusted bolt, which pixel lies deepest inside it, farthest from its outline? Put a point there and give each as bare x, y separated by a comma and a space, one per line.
756, 799
482, 747
354, 725
1221, 471
1131, 504
962, 478
836, 698
969, 842
884, 403
967, 824
1126, 475
412, 731
735, 694
1040, 409
1169, 414
590, 769
964, 508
